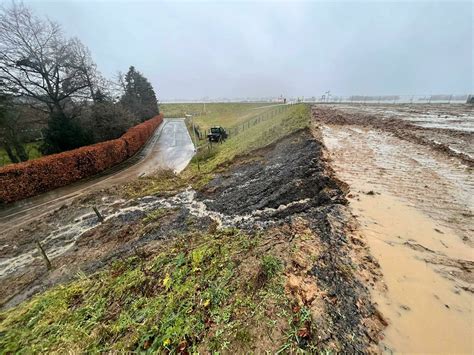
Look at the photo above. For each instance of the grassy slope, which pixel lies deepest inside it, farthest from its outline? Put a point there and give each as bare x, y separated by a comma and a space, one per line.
31, 148
210, 290
223, 114
290, 118
195, 293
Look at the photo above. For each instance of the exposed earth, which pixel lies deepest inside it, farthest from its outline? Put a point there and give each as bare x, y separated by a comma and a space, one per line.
413, 197
446, 128
286, 193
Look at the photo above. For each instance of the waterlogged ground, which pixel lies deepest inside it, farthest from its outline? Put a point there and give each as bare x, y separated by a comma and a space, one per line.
283, 201
269, 252
458, 117
446, 128
414, 204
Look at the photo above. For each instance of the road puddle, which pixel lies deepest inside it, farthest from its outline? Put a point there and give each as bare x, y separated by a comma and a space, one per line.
413, 210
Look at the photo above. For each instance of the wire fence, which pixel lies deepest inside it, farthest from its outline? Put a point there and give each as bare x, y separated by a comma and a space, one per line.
202, 142
392, 99
252, 121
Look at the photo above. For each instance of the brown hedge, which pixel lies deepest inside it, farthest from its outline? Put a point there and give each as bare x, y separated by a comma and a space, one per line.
18, 181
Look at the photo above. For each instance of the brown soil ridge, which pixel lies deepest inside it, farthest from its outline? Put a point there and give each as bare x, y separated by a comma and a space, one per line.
399, 128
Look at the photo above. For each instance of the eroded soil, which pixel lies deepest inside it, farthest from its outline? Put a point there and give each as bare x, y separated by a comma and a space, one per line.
414, 203
286, 192
448, 129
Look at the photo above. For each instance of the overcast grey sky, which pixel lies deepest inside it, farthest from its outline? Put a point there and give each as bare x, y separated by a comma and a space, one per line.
254, 49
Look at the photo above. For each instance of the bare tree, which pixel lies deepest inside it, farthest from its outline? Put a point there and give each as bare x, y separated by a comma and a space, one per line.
37, 61
93, 78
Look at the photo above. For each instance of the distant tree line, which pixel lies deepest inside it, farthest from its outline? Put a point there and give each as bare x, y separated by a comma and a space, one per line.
45, 74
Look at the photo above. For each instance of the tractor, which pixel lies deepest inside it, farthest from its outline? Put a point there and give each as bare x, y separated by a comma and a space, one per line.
217, 134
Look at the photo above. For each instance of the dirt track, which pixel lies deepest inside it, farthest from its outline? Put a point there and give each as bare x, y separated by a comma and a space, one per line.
414, 202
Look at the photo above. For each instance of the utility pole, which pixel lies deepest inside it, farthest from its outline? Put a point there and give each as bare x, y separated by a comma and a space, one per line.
328, 93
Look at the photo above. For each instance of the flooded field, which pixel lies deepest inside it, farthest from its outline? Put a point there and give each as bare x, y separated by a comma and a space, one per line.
415, 206
445, 128
458, 116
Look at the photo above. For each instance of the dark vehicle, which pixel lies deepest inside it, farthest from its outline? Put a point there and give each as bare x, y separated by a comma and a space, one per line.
217, 134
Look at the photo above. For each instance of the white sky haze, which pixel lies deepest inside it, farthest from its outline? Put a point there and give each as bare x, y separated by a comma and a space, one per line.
192, 49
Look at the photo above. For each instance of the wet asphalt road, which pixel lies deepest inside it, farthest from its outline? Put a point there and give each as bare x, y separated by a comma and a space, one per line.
170, 147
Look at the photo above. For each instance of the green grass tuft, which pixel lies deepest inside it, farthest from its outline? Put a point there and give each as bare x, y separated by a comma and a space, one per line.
195, 296
271, 266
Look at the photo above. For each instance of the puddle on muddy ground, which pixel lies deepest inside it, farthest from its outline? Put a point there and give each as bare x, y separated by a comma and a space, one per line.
456, 116
452, 141
427, 312
414, 218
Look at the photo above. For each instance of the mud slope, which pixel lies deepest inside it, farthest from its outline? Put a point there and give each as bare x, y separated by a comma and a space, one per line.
284, 195
291, 180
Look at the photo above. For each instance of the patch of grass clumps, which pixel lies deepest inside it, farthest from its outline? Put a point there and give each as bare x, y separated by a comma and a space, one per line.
155, 215
32, 149
271, 266
197, 296
163, 182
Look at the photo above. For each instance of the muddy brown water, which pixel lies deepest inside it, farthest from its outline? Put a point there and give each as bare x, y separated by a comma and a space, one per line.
415, 208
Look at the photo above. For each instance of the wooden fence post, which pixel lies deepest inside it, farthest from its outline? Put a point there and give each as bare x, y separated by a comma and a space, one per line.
99, 216
43, 254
